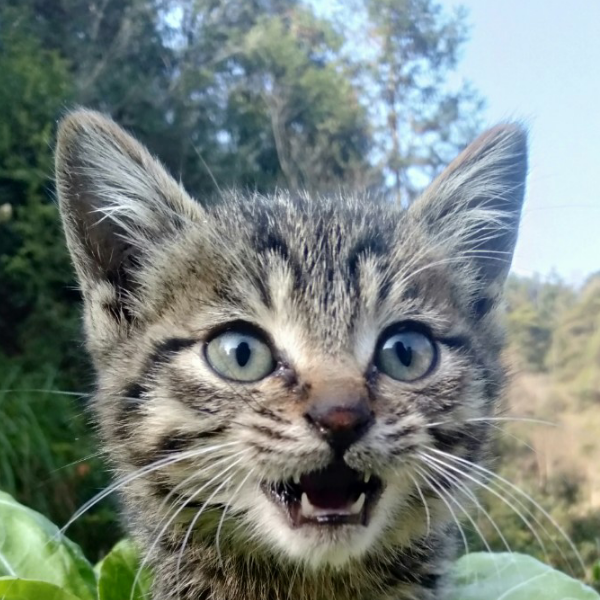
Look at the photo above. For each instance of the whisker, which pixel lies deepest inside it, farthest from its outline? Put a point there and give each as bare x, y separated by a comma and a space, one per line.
442, 497
79, 461
208, 169
474, 499
181, 507
198, 515
227, 506
514, 437
425, 505
455, 501
505, 501
494, 476
451, 479
493, 419
436, 263
159, 464
49, 391
293, 580
515, 419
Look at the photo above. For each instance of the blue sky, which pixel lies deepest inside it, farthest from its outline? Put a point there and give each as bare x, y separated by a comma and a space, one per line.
539, 61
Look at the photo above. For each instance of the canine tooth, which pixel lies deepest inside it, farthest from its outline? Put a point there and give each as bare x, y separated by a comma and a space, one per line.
307, 508
358, 505
297, 479
367, 477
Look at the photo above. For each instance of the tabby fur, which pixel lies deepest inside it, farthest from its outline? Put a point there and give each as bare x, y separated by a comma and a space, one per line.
322, 277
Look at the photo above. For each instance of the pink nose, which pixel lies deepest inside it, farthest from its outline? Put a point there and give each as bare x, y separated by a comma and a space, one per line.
341, 422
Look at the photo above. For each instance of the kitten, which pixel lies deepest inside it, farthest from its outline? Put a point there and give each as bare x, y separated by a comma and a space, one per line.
292, 388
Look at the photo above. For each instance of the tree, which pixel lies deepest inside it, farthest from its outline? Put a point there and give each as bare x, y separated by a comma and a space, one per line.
284, 109
36, 285
254, 94
43, 436
575, 352
534, 308
409, 50
319, 128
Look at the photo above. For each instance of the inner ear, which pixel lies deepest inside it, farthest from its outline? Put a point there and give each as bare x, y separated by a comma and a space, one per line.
117, 201
472, 210
100, 246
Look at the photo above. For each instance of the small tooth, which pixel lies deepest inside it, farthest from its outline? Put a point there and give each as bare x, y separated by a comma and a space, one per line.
307, 508
367, 477
297, 479
358, 505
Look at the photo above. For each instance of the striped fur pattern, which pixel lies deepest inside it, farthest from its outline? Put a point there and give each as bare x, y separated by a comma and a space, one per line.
322, 278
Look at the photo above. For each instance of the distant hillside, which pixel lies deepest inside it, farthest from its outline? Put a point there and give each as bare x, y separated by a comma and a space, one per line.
554, 354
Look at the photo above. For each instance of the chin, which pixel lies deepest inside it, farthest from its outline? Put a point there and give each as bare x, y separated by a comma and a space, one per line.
326, 519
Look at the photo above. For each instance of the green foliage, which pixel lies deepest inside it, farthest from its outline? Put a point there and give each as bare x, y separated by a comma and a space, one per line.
555, 329
420, 119
483, 576
319, 128
575, 352
40, 350
48, 459
255, 94
35, 278
36, 561
534, 307
31, 547
549, 519
531, 334
118, 577
25, 589
553, 332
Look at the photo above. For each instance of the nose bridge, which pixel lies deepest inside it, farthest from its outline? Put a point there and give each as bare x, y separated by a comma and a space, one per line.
336, 389
340, 410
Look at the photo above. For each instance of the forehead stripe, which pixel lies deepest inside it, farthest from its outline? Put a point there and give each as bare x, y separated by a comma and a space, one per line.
165, 350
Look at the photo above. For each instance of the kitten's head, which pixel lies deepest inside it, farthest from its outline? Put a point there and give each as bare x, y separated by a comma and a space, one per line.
311, 372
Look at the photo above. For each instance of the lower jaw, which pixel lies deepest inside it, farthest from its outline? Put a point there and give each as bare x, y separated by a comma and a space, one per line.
322, 548
325, 521
327, 500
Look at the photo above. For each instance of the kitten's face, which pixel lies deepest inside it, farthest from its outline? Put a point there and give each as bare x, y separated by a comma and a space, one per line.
293, 322
312, 365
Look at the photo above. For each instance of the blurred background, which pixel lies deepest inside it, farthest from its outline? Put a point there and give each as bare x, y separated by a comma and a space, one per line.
369, 95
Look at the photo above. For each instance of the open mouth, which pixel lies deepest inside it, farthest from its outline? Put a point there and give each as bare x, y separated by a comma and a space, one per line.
336, 495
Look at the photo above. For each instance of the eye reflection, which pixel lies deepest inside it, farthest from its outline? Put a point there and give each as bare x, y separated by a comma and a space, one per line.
406, 355
240, 356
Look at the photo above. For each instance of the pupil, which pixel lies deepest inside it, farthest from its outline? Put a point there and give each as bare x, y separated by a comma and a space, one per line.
242, 353
404, 354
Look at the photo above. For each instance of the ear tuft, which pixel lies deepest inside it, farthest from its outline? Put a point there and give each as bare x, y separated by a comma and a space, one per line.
472, 210
115, 199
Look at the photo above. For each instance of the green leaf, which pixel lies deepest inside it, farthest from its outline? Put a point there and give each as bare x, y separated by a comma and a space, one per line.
28, 589
505, 576
117, 575
31, 547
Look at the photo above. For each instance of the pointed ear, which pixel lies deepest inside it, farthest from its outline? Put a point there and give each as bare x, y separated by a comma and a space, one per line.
116, 200
472, 210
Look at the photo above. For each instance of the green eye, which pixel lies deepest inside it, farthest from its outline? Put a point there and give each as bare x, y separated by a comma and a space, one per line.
240, 356
406, 355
